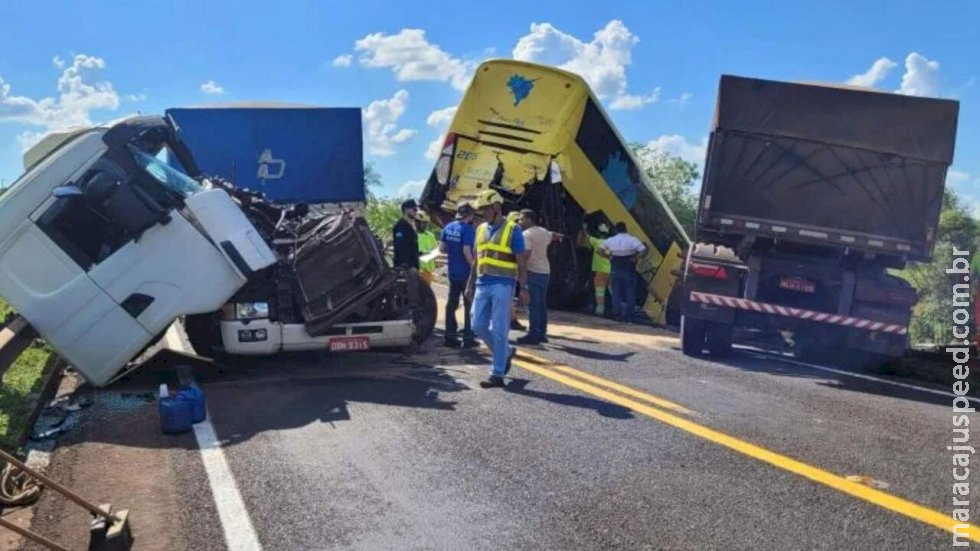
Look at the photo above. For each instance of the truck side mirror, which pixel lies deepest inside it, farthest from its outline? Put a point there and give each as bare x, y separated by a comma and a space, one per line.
70, 190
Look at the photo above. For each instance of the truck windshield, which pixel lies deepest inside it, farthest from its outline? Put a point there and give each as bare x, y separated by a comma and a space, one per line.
170, 177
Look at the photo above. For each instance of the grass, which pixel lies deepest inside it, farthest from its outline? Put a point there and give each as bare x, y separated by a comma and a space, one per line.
19, 390
5, 310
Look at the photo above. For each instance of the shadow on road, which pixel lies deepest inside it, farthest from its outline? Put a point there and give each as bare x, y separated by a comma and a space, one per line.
264, 395
594, 354
774, 364
605, 409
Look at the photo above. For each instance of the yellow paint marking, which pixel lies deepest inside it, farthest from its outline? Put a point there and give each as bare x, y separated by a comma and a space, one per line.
816, 474
611, 385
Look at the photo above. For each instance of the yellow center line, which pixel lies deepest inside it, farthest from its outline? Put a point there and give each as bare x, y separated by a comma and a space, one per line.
612, 385
816, 474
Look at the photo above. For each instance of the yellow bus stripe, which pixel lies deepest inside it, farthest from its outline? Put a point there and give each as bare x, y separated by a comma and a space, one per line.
816, 474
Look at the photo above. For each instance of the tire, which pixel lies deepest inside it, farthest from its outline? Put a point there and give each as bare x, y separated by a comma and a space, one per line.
693, 334
424, 313
205, 334
719, 337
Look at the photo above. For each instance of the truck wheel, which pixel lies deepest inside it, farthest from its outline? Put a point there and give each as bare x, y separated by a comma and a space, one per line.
204, 333
424, 314
692, 336
719, 337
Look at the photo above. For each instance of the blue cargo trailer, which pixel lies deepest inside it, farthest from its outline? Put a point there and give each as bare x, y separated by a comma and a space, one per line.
291, 153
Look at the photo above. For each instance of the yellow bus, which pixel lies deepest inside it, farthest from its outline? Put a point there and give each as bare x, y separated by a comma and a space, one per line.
539, 136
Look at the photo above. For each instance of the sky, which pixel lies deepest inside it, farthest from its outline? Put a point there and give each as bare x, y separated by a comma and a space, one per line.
655, 64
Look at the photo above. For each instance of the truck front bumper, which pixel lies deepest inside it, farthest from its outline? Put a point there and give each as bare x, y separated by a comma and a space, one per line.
265, 337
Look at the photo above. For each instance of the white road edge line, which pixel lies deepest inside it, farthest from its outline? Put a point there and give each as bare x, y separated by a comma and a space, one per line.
239, 533
863, 376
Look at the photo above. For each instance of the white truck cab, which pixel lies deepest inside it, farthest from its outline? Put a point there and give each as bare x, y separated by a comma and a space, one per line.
103, 244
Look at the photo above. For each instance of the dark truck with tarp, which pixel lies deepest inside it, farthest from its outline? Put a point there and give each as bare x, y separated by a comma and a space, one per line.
812, 195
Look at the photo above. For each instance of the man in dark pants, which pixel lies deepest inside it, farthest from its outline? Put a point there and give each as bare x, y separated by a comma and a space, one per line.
405, 238
458, 239
623, 249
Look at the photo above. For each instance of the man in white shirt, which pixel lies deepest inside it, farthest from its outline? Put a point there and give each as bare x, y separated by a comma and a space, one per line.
623, 250
536, 241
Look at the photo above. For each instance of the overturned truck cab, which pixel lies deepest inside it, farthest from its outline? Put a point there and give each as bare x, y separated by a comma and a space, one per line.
113, 233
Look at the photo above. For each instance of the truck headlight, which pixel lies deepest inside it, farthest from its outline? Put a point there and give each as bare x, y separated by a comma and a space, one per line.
245, 311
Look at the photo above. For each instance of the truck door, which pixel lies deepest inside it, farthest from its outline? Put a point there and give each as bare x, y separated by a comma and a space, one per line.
46, 268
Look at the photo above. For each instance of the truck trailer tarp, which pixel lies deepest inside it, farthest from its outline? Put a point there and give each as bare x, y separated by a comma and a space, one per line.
830, 158
290, 153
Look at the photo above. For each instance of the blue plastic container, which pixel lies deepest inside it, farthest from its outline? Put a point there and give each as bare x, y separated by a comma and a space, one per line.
175, 415
194, 395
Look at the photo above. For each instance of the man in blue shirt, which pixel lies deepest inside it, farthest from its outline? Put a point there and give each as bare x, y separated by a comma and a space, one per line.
457, 243
500, 264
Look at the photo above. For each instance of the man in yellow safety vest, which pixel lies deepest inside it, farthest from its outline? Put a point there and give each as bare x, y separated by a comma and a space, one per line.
500, 264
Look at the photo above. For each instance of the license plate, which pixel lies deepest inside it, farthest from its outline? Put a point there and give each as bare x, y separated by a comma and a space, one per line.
349, 344
797, 284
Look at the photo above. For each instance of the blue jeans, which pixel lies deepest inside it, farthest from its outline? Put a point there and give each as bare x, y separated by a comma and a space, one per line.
537, 287
491, 320
623, 290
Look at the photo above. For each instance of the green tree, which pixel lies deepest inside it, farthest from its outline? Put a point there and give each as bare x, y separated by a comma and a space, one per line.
372, 181
933, 314
381, 213
674, 178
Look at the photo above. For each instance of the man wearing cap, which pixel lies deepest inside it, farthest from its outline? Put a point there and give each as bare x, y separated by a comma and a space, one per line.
427, 243
457, 242
500, 264
405, 237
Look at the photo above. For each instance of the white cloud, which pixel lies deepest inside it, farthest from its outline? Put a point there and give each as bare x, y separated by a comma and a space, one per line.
629, 101
77, 97
683, 99
875, 74
438, 119
921, 76
441, 118
212, 88
674, 144
135, 98
411, 57
381, 124
342, 60
602, 61
58, 62
411, 188
955, 178
28, 139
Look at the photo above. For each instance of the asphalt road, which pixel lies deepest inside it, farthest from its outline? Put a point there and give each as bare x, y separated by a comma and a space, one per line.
605, 438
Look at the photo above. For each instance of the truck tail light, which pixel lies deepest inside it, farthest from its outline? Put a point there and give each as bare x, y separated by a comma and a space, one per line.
707, 270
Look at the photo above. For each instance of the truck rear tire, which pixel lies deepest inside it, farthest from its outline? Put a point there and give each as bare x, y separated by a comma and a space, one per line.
424, 314
719, 337
693, 335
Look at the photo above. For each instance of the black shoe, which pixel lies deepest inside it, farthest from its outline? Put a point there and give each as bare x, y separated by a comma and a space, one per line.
527, 339
451, 343
492, 382
517, 325
510, 359
470, 344
542, 339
